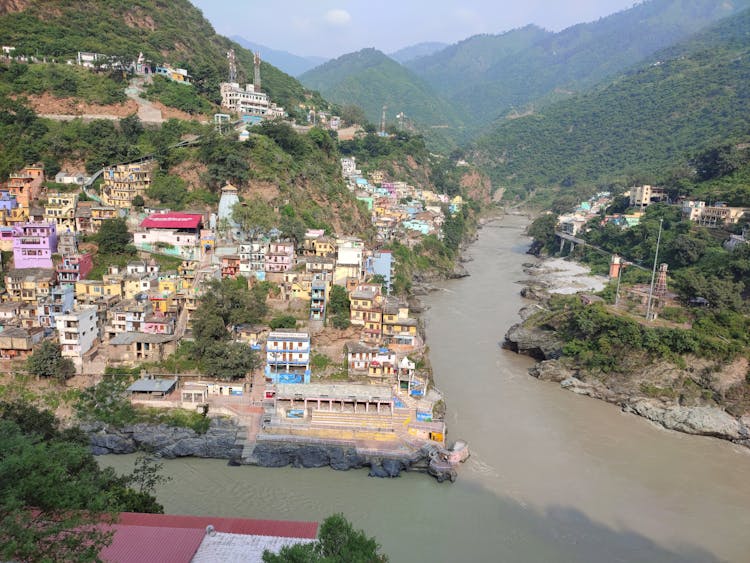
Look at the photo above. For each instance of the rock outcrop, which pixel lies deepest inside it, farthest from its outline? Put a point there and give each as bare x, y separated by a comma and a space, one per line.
165, 441
534, 342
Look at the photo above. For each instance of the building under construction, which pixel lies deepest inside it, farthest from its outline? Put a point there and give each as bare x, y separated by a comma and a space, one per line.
249, 100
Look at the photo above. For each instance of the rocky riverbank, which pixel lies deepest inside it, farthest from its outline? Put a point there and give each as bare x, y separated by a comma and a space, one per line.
687, 399
220, 442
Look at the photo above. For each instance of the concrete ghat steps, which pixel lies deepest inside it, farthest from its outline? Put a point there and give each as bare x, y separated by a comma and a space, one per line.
352, 420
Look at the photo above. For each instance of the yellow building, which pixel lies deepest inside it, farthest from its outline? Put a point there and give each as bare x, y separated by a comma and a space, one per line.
101, 213
398, 327
366, 310
125, 181
61, 210
29, 284
87, 290
9, 217
325, 247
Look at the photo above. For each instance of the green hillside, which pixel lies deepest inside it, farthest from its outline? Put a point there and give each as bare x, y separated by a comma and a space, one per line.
172, 32
491, 76
371, 80
636, 127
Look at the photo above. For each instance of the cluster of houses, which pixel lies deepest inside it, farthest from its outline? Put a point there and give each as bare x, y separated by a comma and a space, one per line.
399, 211
640, 197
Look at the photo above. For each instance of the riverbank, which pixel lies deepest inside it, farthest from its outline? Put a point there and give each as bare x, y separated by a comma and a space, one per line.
685, 398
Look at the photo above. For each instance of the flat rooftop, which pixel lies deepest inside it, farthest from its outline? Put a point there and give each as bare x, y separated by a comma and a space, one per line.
344, 391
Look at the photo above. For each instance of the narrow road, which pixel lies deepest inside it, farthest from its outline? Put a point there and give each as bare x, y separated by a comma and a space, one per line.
146, 110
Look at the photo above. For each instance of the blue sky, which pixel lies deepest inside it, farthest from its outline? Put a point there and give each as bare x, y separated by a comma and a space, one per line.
330, 28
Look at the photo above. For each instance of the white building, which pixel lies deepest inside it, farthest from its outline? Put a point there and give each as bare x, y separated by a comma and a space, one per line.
77, 331
288, 356
247, 101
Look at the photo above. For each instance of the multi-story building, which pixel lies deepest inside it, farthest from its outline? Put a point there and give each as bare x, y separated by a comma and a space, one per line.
61, 300
643, 196
100, 213
288, 356
248, 101
349, 260
318, 293
74, 268
177, 234
712, 215
88, 291
253, 257
127, 316
61, 210
29, 285
325, 247
67, 243
27, 184
366, 310
230, 266
78, 331
83, 217
279, 257
381, 264
398, 328
34, 244
372, 360
17, 343
123, 182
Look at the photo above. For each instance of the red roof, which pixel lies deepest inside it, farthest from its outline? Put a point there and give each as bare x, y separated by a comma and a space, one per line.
278, 528
173, 221
135, 544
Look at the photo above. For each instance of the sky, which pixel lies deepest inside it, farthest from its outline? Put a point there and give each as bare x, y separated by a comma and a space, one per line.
330, 28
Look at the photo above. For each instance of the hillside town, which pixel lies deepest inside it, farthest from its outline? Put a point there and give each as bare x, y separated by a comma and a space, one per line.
138, 313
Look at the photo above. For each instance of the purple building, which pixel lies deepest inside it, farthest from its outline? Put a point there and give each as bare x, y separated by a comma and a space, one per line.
34, 244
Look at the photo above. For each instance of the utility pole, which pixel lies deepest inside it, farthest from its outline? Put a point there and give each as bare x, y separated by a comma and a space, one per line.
649, 313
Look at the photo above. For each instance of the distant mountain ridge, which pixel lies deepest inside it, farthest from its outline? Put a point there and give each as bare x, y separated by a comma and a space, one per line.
416, 51
487, 76
645, 122
371, 80
290, 63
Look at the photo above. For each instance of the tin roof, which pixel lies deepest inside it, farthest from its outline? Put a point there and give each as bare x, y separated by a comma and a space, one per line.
172, 221
152, 386
134, 544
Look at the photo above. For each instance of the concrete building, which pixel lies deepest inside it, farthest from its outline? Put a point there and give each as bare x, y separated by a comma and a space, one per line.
130, 348
61, 300
643, 196
78, 331
712, 215
279, 257
61, 210
34, 244
125, 181
74, 268
349, 256
248, 101
26, 184
101, 213
318, 294
177, 234
288, 356
18, 343
381, 263
28, 285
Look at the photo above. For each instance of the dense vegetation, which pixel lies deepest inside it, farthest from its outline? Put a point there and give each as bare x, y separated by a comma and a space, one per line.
173, 32
371, 80
53, 493
489, 76
642, 125
180, 96
338, 542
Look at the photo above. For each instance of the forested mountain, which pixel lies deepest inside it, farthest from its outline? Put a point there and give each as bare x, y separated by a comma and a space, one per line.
415, 51
172, 32
637, 126
490, 76
371, 80
290, 63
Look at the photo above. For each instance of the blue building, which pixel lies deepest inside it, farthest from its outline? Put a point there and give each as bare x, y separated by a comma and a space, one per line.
381, 264
318, 300
60, 301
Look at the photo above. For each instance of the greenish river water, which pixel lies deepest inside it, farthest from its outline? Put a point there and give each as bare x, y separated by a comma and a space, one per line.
552, 476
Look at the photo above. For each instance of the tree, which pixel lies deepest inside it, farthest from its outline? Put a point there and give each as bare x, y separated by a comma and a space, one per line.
254, 216
338, 542
54, 497
230, 361
169, 190
114, 238
47, 361
283, 321
138, 202
339, 307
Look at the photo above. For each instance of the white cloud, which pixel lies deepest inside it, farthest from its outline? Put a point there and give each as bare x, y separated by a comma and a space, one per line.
338, 17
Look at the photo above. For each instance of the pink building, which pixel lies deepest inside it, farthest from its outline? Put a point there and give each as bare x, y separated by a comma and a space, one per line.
279, 257
74, 268
34, 244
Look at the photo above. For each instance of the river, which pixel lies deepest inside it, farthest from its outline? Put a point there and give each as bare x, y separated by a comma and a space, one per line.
552, 476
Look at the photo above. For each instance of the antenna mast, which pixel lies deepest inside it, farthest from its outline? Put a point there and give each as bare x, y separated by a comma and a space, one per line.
232, 66
256, 78
382, 122
649, 312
